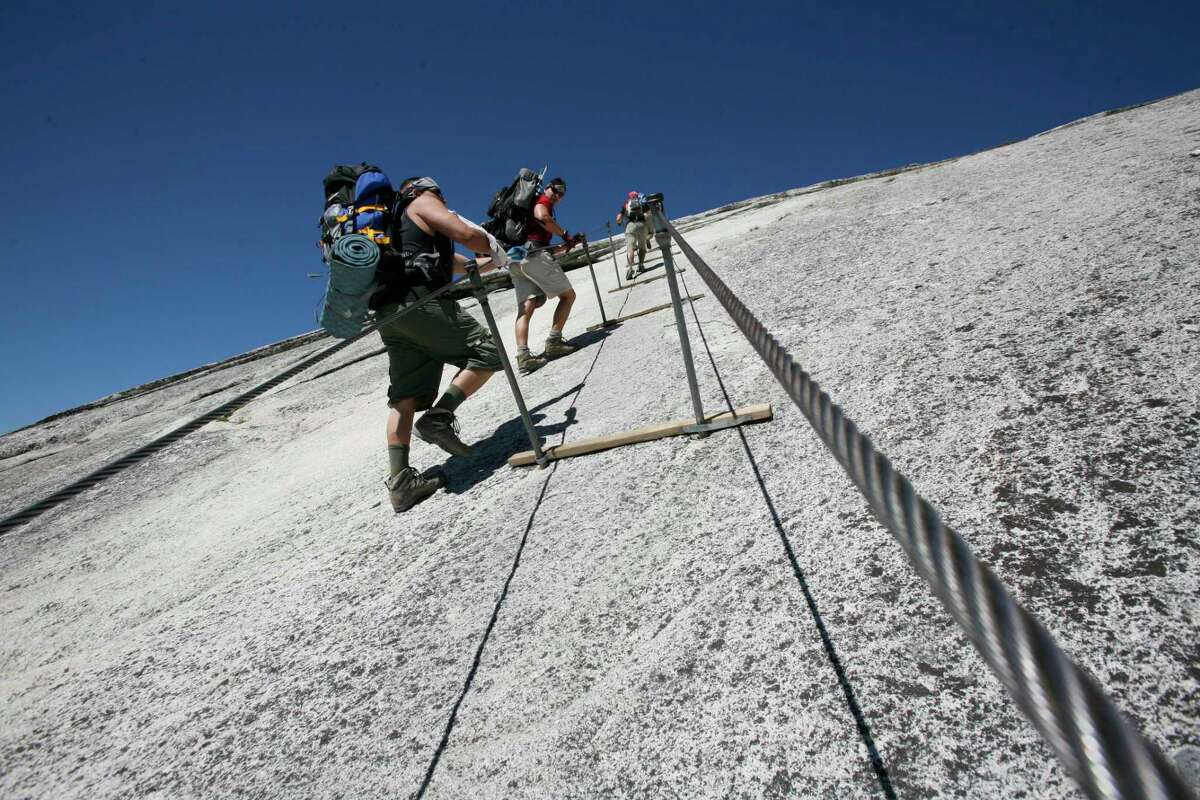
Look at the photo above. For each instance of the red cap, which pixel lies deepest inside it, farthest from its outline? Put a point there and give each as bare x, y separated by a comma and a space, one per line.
633, 194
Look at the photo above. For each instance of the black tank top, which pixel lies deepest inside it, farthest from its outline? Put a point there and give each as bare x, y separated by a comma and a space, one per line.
423, 259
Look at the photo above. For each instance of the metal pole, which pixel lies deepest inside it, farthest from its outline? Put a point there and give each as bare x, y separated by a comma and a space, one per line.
612, 248
482, 296
595, 284
664, 244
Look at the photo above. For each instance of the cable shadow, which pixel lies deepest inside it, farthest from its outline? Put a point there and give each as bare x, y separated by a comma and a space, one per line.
569, 416
835, 661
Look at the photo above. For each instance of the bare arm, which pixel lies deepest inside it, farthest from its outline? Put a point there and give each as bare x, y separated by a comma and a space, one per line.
620, 216
542, 215
428, 209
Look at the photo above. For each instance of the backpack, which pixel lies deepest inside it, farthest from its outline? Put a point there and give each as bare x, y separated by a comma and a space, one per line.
511, 208
635, 209
358, 199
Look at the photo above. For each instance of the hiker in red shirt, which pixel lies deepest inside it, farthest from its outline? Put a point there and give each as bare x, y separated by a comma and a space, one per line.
540, 277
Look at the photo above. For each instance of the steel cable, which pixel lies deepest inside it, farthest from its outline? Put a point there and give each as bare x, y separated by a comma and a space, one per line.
145, 451
1096, 744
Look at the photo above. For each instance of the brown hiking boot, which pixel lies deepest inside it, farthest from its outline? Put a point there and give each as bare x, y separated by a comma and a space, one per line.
438, 426
528, 362
558, 347
408, 487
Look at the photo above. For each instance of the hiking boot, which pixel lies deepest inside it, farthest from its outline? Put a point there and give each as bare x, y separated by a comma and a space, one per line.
558, 347
438, 426
408, 487
528, 362
629, 274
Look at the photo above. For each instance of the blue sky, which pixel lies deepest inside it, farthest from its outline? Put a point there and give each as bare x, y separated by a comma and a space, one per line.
163, 163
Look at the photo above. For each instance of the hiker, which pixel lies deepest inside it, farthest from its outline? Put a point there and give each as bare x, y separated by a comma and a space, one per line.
637, 234
422, 259
539, 278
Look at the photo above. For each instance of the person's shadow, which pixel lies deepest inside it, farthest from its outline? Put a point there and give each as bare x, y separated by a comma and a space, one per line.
462, 473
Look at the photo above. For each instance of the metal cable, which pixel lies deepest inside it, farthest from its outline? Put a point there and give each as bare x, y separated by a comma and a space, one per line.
1099, 748
145, 451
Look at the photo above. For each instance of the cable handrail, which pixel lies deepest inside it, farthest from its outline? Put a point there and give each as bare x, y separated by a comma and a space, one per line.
1101, 749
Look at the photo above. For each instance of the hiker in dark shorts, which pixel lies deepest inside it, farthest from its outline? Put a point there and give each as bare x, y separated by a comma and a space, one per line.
421, 342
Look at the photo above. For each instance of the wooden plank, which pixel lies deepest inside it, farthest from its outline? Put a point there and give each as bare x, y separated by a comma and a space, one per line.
760, 412
641, 313
648, 280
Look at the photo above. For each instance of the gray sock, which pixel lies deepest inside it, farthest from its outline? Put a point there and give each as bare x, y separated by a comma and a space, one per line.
554, 334
397, 458
522, 350
452, 399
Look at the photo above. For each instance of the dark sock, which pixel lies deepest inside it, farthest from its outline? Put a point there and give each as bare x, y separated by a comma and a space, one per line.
452, 399
397, 458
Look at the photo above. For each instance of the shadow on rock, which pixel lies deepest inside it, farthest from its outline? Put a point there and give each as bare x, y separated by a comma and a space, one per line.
587, 340
491, 453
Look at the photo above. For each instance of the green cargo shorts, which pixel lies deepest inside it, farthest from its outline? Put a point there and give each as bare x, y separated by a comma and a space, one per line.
423, 340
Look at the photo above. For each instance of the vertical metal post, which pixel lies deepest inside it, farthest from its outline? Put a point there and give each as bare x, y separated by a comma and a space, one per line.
595, 284
482, 296
612, 248
664, 244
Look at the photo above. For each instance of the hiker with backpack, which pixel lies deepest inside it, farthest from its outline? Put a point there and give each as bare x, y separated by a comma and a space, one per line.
637, 234
406, 239
539, 277
440, 332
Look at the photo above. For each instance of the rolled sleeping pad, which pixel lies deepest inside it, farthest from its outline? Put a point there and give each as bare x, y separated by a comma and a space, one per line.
352, 262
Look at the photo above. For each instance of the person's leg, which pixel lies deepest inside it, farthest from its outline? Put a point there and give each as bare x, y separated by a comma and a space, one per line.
630, 244
562, 311
524, 317
463, 342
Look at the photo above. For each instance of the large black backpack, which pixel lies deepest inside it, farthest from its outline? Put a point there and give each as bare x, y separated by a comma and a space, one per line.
511, 209
358, 199
635, 209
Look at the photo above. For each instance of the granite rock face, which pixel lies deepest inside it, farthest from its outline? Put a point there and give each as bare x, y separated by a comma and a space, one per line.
1018, 330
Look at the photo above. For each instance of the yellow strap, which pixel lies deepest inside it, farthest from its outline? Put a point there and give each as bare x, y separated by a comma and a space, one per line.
360, 210
379, 236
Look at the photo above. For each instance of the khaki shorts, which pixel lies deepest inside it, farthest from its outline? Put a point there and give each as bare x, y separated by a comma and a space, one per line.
636, 237
538, 277
421, 342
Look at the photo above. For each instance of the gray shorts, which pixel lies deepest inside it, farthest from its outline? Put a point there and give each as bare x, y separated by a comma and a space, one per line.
540, 276
636, 236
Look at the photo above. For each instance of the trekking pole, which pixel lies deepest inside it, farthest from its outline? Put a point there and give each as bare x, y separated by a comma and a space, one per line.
612, 248
595, 284
664, 244
481, 295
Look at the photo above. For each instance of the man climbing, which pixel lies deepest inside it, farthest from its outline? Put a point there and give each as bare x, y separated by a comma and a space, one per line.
418, 344
539, 278
636, 232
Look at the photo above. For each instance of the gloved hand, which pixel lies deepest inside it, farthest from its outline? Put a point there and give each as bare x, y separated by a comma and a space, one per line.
499, 255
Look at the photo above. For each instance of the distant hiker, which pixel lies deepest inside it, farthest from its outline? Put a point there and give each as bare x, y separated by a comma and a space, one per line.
539, 278
420, 260
637, 234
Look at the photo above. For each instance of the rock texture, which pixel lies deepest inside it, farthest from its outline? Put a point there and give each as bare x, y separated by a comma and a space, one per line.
1018, 330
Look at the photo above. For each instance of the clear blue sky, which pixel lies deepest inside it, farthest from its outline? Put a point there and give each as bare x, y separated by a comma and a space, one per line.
162, 162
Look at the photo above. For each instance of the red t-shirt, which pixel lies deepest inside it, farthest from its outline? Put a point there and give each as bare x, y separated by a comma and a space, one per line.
536, 232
